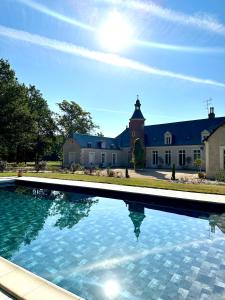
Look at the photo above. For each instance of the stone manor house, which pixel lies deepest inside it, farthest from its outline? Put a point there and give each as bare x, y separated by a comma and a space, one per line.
179, 143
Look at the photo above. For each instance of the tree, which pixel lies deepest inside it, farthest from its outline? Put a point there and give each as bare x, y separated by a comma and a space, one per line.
44, 126
26, 123
138, 155
73, 119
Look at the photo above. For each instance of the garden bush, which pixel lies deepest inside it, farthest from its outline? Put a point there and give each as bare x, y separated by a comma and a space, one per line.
40, 166
3, 165
220, 176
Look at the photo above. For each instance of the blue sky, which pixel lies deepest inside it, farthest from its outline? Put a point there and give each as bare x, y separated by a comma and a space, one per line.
175, 58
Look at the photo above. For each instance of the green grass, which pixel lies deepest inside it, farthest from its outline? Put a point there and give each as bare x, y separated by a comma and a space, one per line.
140, 182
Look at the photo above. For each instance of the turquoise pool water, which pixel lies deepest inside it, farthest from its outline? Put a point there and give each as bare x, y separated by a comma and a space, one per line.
101, 248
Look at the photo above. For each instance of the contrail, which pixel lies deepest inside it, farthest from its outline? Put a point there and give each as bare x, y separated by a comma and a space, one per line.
45, 10
134, 4
107, 58
179, 48
201, 21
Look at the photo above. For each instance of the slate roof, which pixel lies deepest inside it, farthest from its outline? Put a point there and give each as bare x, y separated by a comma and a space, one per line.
84, 139
137, 114
183, 133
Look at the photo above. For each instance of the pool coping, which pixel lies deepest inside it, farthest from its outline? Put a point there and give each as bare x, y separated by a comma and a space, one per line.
42, 287
23, 284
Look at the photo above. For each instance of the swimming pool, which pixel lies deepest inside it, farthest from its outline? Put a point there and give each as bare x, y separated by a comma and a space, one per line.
102, 248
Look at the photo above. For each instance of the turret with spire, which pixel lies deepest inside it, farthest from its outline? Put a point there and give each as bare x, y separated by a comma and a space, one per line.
136, 124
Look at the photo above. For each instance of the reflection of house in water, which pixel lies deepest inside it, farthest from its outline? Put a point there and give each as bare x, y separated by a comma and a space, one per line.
137, 215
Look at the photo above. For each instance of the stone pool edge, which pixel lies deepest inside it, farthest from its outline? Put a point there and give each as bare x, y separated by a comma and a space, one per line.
25, 285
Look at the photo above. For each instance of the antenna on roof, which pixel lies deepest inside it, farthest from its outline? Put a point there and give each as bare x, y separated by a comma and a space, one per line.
208, 103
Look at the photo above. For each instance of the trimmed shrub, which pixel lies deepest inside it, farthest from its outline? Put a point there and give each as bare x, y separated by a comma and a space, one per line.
201, 175
127, 173
173, 177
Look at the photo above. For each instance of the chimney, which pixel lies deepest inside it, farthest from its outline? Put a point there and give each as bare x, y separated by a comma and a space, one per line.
211, 113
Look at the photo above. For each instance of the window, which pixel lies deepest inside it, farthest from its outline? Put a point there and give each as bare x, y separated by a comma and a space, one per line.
91, 157
182, 157
168, 158
89, 145
102, 157
204, 135
155, 157
224, 160
167, 138
197, 154
114, 159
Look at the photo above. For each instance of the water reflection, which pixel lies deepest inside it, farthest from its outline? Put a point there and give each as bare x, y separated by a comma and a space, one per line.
71, 209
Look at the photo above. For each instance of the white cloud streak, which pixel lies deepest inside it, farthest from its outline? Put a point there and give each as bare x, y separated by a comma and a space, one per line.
134, 4
45, 10
202, 21
179, 48
107, 58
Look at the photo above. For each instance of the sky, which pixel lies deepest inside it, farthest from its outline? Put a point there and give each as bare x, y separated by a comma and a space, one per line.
102, 53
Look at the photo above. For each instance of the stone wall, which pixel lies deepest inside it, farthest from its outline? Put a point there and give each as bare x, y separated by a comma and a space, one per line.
84, 159
71, 152
189, 152
215, 147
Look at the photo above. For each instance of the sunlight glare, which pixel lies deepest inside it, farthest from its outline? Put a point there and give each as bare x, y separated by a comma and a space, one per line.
116, 33
111, 289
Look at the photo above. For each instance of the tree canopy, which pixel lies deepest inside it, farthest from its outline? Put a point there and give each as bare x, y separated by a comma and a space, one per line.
29, 130
73, 119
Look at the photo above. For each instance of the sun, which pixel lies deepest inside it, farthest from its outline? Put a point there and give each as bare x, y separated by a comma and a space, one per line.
116, 33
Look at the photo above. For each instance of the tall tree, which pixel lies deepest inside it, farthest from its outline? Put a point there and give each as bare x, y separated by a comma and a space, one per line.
73, 119
43, 123
138, 155
26, 123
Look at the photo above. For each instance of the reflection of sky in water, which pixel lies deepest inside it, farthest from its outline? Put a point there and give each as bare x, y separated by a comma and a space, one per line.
102, 248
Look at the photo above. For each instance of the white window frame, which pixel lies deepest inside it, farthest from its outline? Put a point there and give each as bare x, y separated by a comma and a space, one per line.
183, 155
204, 134
104, 159
155, 157
222, 157
168, 155
114, 164
91, 153
194, 154
167, 138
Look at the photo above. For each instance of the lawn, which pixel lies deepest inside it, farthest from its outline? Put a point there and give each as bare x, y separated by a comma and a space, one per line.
140, 182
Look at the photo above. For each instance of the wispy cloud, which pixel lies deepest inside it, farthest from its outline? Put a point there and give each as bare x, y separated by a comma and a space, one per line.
45, 10
199, 20
179, 48
151, 8
107, 58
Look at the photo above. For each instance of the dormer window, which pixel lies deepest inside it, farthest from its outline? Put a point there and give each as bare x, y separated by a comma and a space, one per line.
89, 145
167, 138
204, 134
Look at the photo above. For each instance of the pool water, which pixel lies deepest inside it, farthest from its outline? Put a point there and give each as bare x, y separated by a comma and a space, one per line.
101, 248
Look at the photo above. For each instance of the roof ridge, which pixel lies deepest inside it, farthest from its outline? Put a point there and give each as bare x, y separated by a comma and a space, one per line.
86, 134
188, 121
